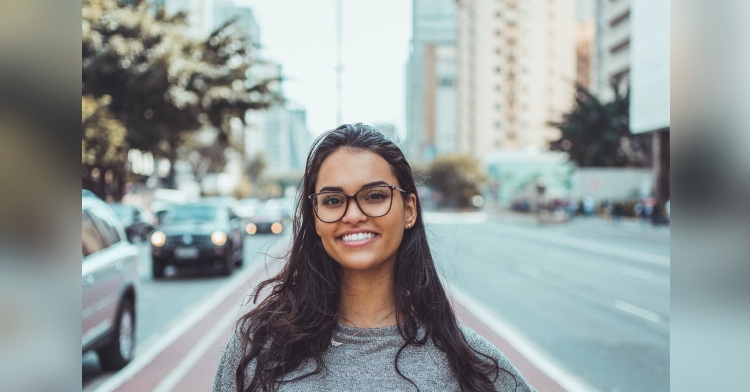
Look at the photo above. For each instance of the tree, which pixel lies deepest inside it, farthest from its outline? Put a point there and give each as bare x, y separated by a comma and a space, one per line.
255, 166
165, 85
103, 148
597, 134
457, 177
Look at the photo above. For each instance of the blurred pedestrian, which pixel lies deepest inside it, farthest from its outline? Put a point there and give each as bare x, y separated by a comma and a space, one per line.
358, 304
572, 209
588, 206
616, 212
638, 210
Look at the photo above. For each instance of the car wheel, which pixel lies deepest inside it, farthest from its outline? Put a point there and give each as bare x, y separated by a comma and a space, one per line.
119, 350
157, 268
239, 258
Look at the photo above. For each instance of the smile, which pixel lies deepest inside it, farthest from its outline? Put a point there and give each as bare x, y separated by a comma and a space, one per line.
357, 237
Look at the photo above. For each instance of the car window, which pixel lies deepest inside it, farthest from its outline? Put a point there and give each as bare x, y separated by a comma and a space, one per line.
91, 237
193, 212
107, 229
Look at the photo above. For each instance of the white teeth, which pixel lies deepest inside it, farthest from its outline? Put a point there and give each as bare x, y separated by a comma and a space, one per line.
357, 237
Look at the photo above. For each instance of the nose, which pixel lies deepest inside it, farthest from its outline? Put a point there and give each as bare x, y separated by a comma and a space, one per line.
353, 213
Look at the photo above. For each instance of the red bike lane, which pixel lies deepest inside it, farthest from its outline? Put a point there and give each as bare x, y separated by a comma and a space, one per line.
188, 362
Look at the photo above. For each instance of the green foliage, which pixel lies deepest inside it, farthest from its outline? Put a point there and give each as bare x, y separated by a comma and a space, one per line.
165, 85
457, 177
597, 134
103, 140
254, 167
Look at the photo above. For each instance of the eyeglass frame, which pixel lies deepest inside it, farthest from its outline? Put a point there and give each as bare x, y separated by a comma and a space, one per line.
354, 196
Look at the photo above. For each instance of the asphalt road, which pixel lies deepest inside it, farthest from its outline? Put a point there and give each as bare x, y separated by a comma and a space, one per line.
590, 295
163, 303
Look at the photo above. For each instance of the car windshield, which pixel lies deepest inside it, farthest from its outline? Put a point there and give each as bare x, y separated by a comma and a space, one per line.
194, 212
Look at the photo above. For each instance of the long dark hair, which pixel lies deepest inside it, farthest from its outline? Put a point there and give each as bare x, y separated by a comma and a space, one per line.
295, 322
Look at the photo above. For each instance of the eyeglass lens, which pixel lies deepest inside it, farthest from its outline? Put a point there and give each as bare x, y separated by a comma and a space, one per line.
373, 202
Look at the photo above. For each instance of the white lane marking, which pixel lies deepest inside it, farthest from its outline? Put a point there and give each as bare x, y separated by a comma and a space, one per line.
144, 358
192, 357
637, 273
595, 247
536, 355
638, 311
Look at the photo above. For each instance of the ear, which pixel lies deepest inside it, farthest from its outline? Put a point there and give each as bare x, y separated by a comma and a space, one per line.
410, 210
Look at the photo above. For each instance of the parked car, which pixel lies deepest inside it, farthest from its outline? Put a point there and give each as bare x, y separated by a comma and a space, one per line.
136, 221
109, 277
268, 218
201, 233
246, 207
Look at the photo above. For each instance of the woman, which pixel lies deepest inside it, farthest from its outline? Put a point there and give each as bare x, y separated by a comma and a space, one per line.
359, 305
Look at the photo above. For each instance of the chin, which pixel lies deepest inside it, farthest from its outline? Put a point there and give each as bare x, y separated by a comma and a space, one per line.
360, 262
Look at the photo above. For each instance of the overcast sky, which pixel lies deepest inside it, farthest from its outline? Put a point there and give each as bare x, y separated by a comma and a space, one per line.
301, 36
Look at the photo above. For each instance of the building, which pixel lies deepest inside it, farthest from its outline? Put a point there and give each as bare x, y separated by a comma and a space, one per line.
611, 63
516, 72
584, 52
204, 16
280, 133
650, 84
431, 114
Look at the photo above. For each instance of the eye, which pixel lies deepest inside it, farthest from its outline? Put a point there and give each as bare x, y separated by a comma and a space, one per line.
376, 195
333, 200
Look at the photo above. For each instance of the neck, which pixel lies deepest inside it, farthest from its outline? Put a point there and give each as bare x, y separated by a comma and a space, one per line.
367, 301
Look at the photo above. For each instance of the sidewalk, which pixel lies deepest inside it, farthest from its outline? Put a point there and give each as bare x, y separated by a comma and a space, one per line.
186, 358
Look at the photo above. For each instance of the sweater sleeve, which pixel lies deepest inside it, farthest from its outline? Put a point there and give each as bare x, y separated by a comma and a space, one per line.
225, 380
504, 382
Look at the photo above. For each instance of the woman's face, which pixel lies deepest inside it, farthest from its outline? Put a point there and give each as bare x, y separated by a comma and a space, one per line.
348, 171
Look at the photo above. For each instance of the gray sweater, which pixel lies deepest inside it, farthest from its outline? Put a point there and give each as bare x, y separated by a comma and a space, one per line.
365, 362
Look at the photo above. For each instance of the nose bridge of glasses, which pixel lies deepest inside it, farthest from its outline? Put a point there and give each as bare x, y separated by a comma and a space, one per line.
355, 198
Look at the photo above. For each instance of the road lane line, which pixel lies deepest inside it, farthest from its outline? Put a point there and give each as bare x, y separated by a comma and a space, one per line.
536, 355
142, 359
595, 247
178, 372
638, 311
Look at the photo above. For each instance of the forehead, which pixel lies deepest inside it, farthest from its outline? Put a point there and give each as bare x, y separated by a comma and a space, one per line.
350, 169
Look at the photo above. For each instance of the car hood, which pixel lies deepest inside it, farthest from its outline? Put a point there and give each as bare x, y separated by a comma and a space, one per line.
196, 227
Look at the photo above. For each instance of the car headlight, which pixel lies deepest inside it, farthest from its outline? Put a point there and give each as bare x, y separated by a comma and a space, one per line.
158, 239
276, 228
218, 238
251, 228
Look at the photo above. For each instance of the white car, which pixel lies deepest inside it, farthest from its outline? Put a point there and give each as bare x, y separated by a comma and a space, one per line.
109, 277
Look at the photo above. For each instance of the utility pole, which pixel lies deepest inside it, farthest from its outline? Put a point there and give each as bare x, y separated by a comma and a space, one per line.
339, 67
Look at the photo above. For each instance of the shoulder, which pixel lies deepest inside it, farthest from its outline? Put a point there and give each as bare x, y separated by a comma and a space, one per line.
509, 378
225, 379
481, 344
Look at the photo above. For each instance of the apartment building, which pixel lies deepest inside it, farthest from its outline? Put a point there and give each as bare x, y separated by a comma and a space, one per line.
612, 60
516, 72
431, 112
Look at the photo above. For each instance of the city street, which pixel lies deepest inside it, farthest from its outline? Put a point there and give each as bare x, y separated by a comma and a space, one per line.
592, 294
576, 306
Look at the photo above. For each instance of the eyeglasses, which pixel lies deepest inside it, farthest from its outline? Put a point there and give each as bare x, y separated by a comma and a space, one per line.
374, 201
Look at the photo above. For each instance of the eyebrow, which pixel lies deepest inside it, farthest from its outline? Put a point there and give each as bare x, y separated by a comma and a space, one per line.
339, 189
